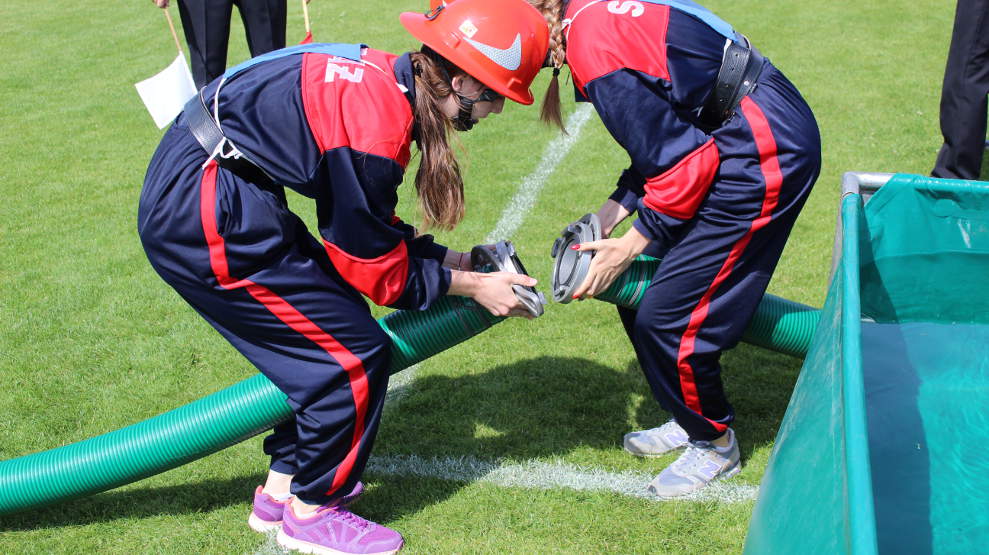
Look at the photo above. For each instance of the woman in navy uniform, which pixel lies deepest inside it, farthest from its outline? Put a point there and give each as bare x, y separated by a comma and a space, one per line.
333, 123
724, 152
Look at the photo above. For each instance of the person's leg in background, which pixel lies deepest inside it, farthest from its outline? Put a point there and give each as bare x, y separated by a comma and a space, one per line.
206, 24
264, 24
963, 94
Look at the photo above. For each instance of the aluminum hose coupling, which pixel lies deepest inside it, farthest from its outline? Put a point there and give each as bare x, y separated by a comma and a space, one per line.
501, 257
570, 266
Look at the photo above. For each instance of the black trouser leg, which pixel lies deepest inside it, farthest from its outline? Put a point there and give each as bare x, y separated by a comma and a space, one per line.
963, 94
264, 24
207, 31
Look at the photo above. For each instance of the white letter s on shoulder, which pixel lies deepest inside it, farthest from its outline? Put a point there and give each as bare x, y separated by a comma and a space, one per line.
622, 7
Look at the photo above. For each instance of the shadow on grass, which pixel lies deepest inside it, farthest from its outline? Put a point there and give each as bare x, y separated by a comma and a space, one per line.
189, 498
536, 408
551, 406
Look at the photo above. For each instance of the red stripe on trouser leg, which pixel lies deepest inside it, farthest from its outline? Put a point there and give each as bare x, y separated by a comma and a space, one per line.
289, 316
773, 178
768, 160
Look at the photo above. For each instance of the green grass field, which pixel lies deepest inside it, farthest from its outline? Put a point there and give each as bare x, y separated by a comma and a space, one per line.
92, 340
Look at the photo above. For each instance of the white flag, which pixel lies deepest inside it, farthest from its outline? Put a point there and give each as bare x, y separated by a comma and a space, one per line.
167, 92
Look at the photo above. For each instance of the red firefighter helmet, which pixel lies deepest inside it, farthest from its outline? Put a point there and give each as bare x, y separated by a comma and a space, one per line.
501, 43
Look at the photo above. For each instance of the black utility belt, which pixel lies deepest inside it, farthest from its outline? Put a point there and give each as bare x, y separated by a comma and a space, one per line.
209, 136
741, 66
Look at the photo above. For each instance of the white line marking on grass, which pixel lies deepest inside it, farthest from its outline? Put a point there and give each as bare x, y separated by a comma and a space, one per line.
524, 199
547, 475
512, 216
399, 385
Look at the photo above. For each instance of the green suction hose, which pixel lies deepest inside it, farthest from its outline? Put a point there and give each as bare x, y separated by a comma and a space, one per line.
212, 423
416, 336
778, 324
783, 326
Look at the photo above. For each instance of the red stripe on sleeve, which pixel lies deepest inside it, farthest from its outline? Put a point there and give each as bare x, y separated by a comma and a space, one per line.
679, 190
381, 279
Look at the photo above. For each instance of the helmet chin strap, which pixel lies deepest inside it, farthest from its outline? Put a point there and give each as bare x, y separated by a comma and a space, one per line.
464, 120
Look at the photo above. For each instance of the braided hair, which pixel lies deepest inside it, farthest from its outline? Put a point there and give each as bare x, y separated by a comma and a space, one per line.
552, 11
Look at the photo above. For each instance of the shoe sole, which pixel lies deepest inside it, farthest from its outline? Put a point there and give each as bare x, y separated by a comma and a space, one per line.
724, 476
652, 455
288, 542
262, 526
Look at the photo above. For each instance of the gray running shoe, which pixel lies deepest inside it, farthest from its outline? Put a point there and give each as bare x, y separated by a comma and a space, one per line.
701, 463
656, 441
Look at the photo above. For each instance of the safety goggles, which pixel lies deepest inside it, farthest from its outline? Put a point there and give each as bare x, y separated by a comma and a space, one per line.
489, 95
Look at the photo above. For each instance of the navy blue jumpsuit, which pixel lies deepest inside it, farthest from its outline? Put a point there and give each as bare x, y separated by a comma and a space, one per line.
337, 131
717, 204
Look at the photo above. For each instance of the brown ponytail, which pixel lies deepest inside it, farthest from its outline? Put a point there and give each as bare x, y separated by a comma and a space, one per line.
552, 11
438, 183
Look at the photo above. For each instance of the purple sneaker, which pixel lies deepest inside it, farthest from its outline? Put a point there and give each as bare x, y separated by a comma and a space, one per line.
266, 516
334, 530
